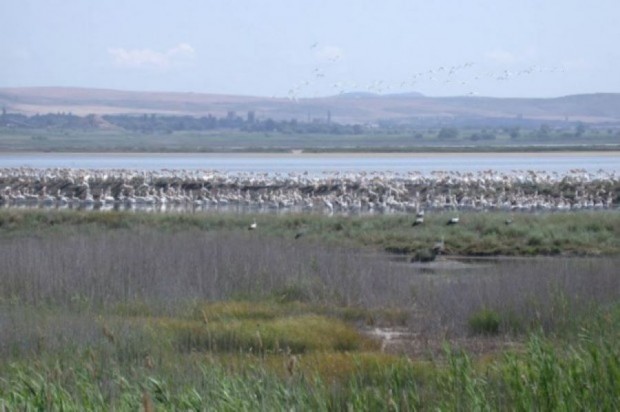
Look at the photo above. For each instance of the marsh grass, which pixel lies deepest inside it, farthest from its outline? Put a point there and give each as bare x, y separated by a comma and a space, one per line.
159, 272
143, 360
583, 375
186, 311
478, 234
274, 307
484, 322
298, 334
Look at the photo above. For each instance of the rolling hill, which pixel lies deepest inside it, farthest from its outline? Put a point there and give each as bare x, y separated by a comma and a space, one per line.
345, 108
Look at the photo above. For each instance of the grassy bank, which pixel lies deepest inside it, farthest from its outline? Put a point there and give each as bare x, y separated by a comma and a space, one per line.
115, 140
477, 234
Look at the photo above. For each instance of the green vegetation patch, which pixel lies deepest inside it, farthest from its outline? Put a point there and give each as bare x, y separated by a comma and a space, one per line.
477, 234
485, 322
266, 310
295, 334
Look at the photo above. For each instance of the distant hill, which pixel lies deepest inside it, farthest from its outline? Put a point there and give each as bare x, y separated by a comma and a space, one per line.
346, 108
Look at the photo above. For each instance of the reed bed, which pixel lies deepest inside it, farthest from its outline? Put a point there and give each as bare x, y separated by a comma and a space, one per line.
584, 376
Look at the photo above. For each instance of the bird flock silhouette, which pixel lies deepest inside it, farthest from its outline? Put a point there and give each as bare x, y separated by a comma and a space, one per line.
465, 76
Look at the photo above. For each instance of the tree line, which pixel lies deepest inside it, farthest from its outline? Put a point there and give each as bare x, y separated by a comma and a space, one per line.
158, 123
155, 123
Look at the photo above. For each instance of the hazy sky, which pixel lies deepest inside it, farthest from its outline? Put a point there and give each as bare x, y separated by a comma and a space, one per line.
522, 48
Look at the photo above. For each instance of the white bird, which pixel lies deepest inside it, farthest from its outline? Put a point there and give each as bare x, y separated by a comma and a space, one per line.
253, 225
328, 205
453, 221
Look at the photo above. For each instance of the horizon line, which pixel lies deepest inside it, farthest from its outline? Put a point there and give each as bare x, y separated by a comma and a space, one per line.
284, 97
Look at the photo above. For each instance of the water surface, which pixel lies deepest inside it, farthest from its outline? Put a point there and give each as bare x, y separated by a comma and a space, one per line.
319, 163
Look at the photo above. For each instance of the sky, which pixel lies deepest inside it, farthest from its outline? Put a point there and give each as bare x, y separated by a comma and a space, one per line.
304, 48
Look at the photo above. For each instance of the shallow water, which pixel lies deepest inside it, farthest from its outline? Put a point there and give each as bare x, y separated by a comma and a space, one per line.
320, 163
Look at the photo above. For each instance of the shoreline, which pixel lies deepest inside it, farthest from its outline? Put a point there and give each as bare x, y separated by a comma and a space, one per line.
329, 154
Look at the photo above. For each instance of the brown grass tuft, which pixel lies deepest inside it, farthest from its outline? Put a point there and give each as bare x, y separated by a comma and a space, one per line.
147, 403
108, 334
291, 364
148, 362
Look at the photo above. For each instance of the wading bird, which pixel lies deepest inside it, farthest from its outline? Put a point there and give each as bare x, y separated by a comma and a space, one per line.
426, 255
439, 247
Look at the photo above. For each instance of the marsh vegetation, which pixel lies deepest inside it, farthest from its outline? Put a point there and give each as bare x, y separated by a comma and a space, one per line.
188, 141
115, 310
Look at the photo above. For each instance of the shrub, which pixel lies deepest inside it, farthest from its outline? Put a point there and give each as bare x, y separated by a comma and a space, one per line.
484, 322
448, 133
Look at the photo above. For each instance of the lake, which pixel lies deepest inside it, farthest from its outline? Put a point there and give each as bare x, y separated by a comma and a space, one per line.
319, 163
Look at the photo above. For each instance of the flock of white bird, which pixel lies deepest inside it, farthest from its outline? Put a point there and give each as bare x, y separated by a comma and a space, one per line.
329, 192
324, 77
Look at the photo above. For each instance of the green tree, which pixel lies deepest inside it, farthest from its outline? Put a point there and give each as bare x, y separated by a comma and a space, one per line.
448, 133
580, 129
544, 131
514, 132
